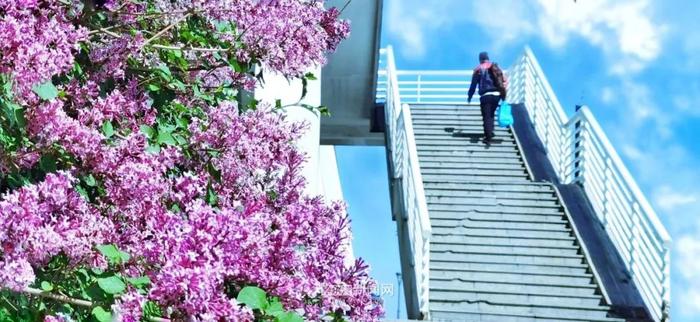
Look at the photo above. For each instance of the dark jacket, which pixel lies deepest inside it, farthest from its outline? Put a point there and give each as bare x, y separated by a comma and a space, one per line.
476, 80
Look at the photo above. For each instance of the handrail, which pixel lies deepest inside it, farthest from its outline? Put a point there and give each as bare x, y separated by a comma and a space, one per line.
581, 153
406, 171
578, 150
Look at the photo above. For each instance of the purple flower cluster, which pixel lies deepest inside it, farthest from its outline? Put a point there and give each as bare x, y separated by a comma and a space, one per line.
40, 221
37, 41
200, 219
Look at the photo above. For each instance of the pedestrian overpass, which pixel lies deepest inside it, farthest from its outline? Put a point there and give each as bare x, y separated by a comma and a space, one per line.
546, 224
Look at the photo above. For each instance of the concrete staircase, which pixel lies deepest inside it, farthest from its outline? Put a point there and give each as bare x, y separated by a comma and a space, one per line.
502, 246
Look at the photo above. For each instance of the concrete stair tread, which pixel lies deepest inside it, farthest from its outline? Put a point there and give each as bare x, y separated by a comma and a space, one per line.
493, 209
506, 241
555, 290
496, 315
502, 248
504, 218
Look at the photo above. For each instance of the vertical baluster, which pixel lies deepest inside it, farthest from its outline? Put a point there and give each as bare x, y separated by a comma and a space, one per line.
634, 240
607, 190
419, 90
666, 284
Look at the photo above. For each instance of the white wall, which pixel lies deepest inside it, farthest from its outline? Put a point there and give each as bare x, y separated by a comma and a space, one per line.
321, 168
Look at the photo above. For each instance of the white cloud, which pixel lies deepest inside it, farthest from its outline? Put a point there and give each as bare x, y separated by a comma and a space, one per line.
669, 199
607, 95
411, 20
623, 29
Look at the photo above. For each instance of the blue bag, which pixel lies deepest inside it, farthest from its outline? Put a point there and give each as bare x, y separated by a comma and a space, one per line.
505, 115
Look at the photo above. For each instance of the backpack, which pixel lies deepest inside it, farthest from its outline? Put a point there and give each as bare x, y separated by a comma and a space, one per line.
486, 82
499, 80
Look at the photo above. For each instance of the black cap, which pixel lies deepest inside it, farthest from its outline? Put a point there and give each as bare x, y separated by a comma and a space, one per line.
483, 56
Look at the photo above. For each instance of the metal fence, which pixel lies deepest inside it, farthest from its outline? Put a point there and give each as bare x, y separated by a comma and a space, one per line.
406, 173
577, 147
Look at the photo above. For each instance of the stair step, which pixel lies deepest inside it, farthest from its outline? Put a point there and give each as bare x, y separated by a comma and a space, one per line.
474, 165
494, 209
515, 299
511, 227
468, 147
454, 123
513, 278
474, 172
438, 111
460, 142
459, 161
484, 313
512, 233
439, 245
557, 290
468, 178
486, 200
507, 241
487, 186
470, 155
469, 223
508, 258
543, 271
516, 218
497, 195
462, 129
523, 268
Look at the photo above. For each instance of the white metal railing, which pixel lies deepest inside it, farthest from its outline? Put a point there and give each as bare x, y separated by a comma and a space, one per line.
429, 86
581, 153
577, 147
406, 171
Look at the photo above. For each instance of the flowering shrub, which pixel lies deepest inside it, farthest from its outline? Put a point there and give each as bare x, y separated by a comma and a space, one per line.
133, 183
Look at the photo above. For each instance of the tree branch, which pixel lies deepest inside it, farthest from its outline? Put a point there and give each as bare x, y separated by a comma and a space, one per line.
171, 26
70, 300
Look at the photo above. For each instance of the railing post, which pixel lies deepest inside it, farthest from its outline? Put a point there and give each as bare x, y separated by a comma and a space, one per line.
634, 242
607, 190
419, 88
666, 284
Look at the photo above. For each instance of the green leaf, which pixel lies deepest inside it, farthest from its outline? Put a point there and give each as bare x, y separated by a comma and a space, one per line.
91, 182
19, 117
139, 282
289, 317
304, 88
47, 163
253, 297
101, 315
148, 131
165, 71
211, 196
153, 149
47, 91
113, 254
81, 191
215, 173
278, 103
310, 76
46, 286
153, 87
166, 138
111, 285
236, 66
107, 129
324, 110
275, 308
182, 122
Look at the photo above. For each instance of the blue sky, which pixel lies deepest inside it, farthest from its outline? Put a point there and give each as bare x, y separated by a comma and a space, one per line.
636, 63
